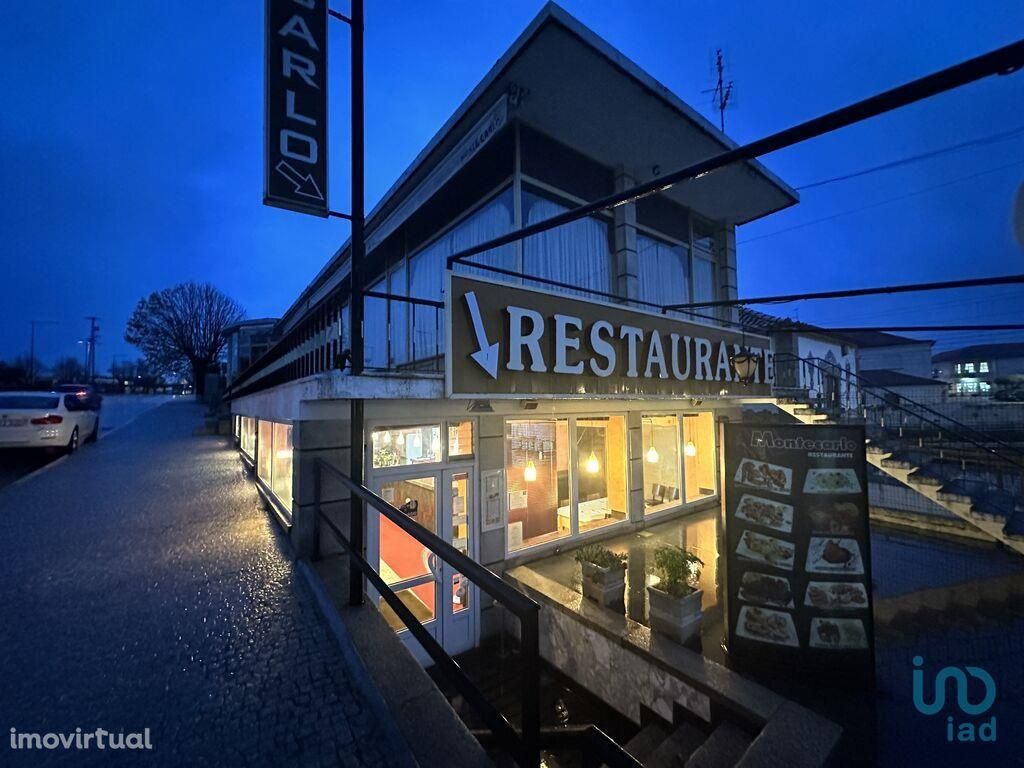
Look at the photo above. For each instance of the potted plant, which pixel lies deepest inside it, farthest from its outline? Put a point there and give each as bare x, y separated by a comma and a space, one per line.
675, 600
604, 574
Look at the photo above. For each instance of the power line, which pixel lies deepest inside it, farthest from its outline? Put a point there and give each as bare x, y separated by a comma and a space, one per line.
977, 282
994, 138
1001, 61
907, 328
878, 203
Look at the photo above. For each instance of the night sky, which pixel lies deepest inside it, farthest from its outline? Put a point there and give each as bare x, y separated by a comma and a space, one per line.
131, 144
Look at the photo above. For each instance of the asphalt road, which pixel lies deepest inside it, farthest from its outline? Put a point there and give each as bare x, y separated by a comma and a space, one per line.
118, 410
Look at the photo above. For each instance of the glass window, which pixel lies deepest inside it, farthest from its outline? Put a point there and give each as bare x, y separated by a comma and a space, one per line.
375, 320
399, 320
401, 446
699, 455
282, 465
460, 537
703, 279
662, 467
664, 271
265, 449
578, 253
968, 367
959, 368
247, 436
537, 481
601, 469
982, 367
460, 439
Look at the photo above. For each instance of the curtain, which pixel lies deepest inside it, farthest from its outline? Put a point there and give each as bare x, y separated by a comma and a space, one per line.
703, 279
664, 271
578, 253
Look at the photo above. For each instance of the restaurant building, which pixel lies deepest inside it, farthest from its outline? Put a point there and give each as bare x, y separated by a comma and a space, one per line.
551, 399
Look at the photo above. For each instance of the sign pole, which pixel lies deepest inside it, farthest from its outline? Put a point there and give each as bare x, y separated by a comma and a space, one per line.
357, 514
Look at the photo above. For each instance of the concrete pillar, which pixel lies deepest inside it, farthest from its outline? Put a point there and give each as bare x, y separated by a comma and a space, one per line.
634, 422
728, 287
627, 266
330, 440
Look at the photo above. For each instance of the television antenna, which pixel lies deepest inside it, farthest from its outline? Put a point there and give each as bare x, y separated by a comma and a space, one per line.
722, 93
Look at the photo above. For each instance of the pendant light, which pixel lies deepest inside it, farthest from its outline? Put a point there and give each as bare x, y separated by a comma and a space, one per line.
652, 455
690, 449
400, 440
593, 466
386, 437
530, 473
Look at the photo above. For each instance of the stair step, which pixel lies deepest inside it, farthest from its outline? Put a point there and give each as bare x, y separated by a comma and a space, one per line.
651, 736
677, 748
922, 476
723, 748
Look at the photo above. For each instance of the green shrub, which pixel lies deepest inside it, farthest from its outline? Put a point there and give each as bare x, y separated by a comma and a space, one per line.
678, 570
599, 555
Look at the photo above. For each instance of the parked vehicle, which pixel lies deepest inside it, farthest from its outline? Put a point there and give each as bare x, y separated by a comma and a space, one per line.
86, 394
54, 420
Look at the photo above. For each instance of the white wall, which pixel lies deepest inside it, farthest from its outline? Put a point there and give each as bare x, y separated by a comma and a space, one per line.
833, 352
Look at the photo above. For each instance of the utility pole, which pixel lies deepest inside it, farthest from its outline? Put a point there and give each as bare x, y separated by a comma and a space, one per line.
722, 92
90, 365
32, 347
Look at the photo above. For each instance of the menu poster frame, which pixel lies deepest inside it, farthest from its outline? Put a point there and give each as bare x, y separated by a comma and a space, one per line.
798, 550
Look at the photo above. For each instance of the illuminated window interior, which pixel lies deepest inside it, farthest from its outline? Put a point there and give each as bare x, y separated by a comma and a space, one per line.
247, 436
537, 481
274, 460
460, 439
403, 446
265, 451
402, 558
601, 472
699, 455
662, 467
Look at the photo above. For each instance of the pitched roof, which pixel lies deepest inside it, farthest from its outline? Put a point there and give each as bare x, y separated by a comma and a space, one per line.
883, 378
753, 320
978, 351
878, 339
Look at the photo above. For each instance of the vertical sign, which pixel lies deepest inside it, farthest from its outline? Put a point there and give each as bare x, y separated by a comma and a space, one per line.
799, 552
295, 157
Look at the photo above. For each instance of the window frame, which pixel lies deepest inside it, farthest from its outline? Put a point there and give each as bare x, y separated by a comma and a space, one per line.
684, 505
445, 459
283, 507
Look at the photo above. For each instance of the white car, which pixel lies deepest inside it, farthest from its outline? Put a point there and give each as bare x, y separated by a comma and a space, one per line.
46, 420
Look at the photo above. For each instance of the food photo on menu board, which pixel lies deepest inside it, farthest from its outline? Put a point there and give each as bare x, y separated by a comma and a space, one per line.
798, 550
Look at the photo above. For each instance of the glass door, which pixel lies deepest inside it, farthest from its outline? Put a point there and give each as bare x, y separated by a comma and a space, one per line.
408, 567
458, 604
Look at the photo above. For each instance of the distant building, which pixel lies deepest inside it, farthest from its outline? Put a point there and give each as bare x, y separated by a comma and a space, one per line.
808, 359
247, 341
916, 388
878, 351
986, 370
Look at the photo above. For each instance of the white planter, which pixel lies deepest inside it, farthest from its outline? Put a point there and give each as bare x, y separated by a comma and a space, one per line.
606, 585
676, 617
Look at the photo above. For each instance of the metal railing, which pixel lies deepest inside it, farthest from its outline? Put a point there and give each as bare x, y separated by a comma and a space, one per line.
956, 451
412, 337
523, 743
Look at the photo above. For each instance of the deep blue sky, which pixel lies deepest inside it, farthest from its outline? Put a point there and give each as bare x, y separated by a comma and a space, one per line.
130, 143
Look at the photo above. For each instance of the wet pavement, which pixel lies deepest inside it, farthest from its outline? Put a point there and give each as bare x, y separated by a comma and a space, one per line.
144, 588
117, 411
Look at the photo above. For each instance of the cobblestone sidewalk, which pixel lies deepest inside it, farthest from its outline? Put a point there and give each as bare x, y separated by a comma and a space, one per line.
142, 587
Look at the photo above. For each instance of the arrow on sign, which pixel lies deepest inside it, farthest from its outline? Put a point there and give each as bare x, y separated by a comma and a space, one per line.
487, 356
304, 185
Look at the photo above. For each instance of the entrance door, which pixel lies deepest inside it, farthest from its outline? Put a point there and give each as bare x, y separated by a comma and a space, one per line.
443, 601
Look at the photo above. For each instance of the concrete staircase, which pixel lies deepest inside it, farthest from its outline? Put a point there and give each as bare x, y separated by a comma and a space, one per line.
998, 514
658, 745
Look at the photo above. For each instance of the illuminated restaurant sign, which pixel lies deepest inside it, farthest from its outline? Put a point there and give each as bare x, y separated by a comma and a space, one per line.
505, 341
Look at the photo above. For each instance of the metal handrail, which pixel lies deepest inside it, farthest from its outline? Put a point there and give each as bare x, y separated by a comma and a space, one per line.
524, 744
903, 399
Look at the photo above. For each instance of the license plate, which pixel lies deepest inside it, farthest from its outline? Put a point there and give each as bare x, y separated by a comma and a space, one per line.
13, 422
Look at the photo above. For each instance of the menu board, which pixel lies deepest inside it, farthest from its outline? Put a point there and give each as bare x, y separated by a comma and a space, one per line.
798, 563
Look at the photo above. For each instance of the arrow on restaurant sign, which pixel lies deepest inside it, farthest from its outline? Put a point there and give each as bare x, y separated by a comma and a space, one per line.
304, 185
487, 356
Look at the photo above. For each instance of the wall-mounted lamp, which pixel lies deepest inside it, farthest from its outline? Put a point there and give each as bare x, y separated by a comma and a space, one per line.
744, 365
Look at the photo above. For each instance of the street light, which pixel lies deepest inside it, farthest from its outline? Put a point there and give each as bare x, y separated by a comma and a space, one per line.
745, 364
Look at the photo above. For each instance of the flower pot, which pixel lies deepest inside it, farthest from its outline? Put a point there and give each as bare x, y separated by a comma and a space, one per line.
676, 617
606, 585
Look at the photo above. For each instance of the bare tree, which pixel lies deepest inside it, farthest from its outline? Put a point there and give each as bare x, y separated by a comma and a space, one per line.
69, 370
183, 327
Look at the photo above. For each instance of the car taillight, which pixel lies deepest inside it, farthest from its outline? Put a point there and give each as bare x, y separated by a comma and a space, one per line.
48, 420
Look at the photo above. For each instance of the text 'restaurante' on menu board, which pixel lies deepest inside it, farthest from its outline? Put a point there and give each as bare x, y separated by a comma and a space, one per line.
799, 559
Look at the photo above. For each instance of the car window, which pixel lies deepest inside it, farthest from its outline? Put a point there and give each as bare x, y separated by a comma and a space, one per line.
43, 402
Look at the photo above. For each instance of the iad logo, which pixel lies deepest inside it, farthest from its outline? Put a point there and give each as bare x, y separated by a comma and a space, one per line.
966, 730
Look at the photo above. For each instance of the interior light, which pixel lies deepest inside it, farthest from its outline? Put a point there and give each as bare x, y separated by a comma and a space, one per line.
435, 443
530, 473
690, 449
386, 438
284, 453
592, 466
652, 455
417, 441
400, 440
